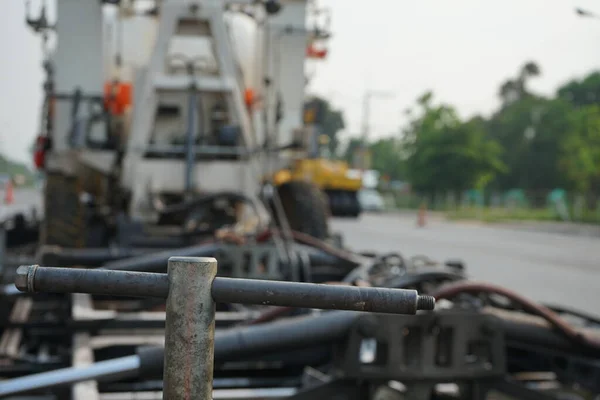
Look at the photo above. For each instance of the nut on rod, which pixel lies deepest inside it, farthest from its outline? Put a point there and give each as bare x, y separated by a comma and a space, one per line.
226, 290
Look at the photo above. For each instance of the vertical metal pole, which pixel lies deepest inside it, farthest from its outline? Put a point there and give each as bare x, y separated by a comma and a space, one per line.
364, 162
190, 329
314, 148
190, 149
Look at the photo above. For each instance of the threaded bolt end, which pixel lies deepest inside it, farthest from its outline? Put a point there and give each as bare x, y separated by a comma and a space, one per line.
425, 303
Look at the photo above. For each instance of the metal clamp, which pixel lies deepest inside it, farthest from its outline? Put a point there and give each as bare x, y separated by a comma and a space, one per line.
191, 289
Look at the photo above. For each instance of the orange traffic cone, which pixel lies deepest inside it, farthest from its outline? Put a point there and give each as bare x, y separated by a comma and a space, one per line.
9, 195
421, 216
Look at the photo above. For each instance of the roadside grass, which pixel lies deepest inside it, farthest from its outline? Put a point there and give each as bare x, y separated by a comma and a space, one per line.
491, 215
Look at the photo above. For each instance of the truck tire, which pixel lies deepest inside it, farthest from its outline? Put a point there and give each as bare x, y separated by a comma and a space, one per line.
64, 223
305, 207
344, 203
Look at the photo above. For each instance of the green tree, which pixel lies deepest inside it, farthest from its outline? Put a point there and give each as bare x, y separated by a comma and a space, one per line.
353, 145
582, 92
579, 148
579, 157
530, 129
515, 89
386, 157
444, 153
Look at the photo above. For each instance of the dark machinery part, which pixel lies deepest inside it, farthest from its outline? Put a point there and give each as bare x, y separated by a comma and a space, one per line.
232, 344
19, 230
343, 203
70, 219
226, 290
207, 212
192, 131
305, 208
357, 361
191, 288
64, 223
241, 257
48, 325
272, 6
434, 346
332, 177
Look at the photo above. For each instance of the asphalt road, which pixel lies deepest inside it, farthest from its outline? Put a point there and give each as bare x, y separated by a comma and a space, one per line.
548, 267
24, 200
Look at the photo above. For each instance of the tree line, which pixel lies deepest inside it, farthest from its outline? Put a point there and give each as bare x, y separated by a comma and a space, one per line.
531, 142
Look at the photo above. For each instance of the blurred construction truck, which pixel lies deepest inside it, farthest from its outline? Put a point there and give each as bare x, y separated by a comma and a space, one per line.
338, 182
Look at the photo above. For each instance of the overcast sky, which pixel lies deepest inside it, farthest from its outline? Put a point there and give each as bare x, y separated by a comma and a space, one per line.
460, 49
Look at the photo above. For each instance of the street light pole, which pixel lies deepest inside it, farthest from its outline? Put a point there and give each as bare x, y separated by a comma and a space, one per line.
367, 97
366, 116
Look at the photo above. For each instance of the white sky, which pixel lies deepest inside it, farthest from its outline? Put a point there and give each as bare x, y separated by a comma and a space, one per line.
461, 49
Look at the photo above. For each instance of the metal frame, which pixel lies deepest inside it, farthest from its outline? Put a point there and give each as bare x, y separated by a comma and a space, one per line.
447, 345
251, 260
190, 287
34, 278
365, 385
79, 26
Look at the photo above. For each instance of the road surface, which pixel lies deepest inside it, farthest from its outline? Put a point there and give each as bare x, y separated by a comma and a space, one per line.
24, 200
549, 267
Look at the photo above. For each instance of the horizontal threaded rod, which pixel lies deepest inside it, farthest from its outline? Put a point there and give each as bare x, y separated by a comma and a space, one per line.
34, 278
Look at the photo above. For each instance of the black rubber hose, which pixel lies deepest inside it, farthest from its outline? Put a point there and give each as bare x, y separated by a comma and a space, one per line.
524, 335
268, 339
190, 205
157, 261
404, 281
249, 341
90, 257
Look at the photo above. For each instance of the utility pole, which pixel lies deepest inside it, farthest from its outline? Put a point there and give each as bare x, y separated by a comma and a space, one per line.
364, 162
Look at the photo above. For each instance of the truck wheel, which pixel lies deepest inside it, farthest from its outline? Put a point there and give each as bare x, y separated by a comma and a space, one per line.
63, 223
305, 207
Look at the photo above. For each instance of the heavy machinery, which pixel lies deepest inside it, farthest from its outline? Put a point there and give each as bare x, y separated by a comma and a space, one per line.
178, 132
333, 177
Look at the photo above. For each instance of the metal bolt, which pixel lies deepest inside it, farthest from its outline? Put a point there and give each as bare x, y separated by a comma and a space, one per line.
24, 280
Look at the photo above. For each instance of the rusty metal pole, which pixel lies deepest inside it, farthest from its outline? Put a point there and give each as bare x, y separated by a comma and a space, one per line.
190, 329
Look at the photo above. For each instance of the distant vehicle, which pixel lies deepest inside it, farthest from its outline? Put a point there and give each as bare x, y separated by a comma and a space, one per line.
4, 178
370, 200
370, 179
